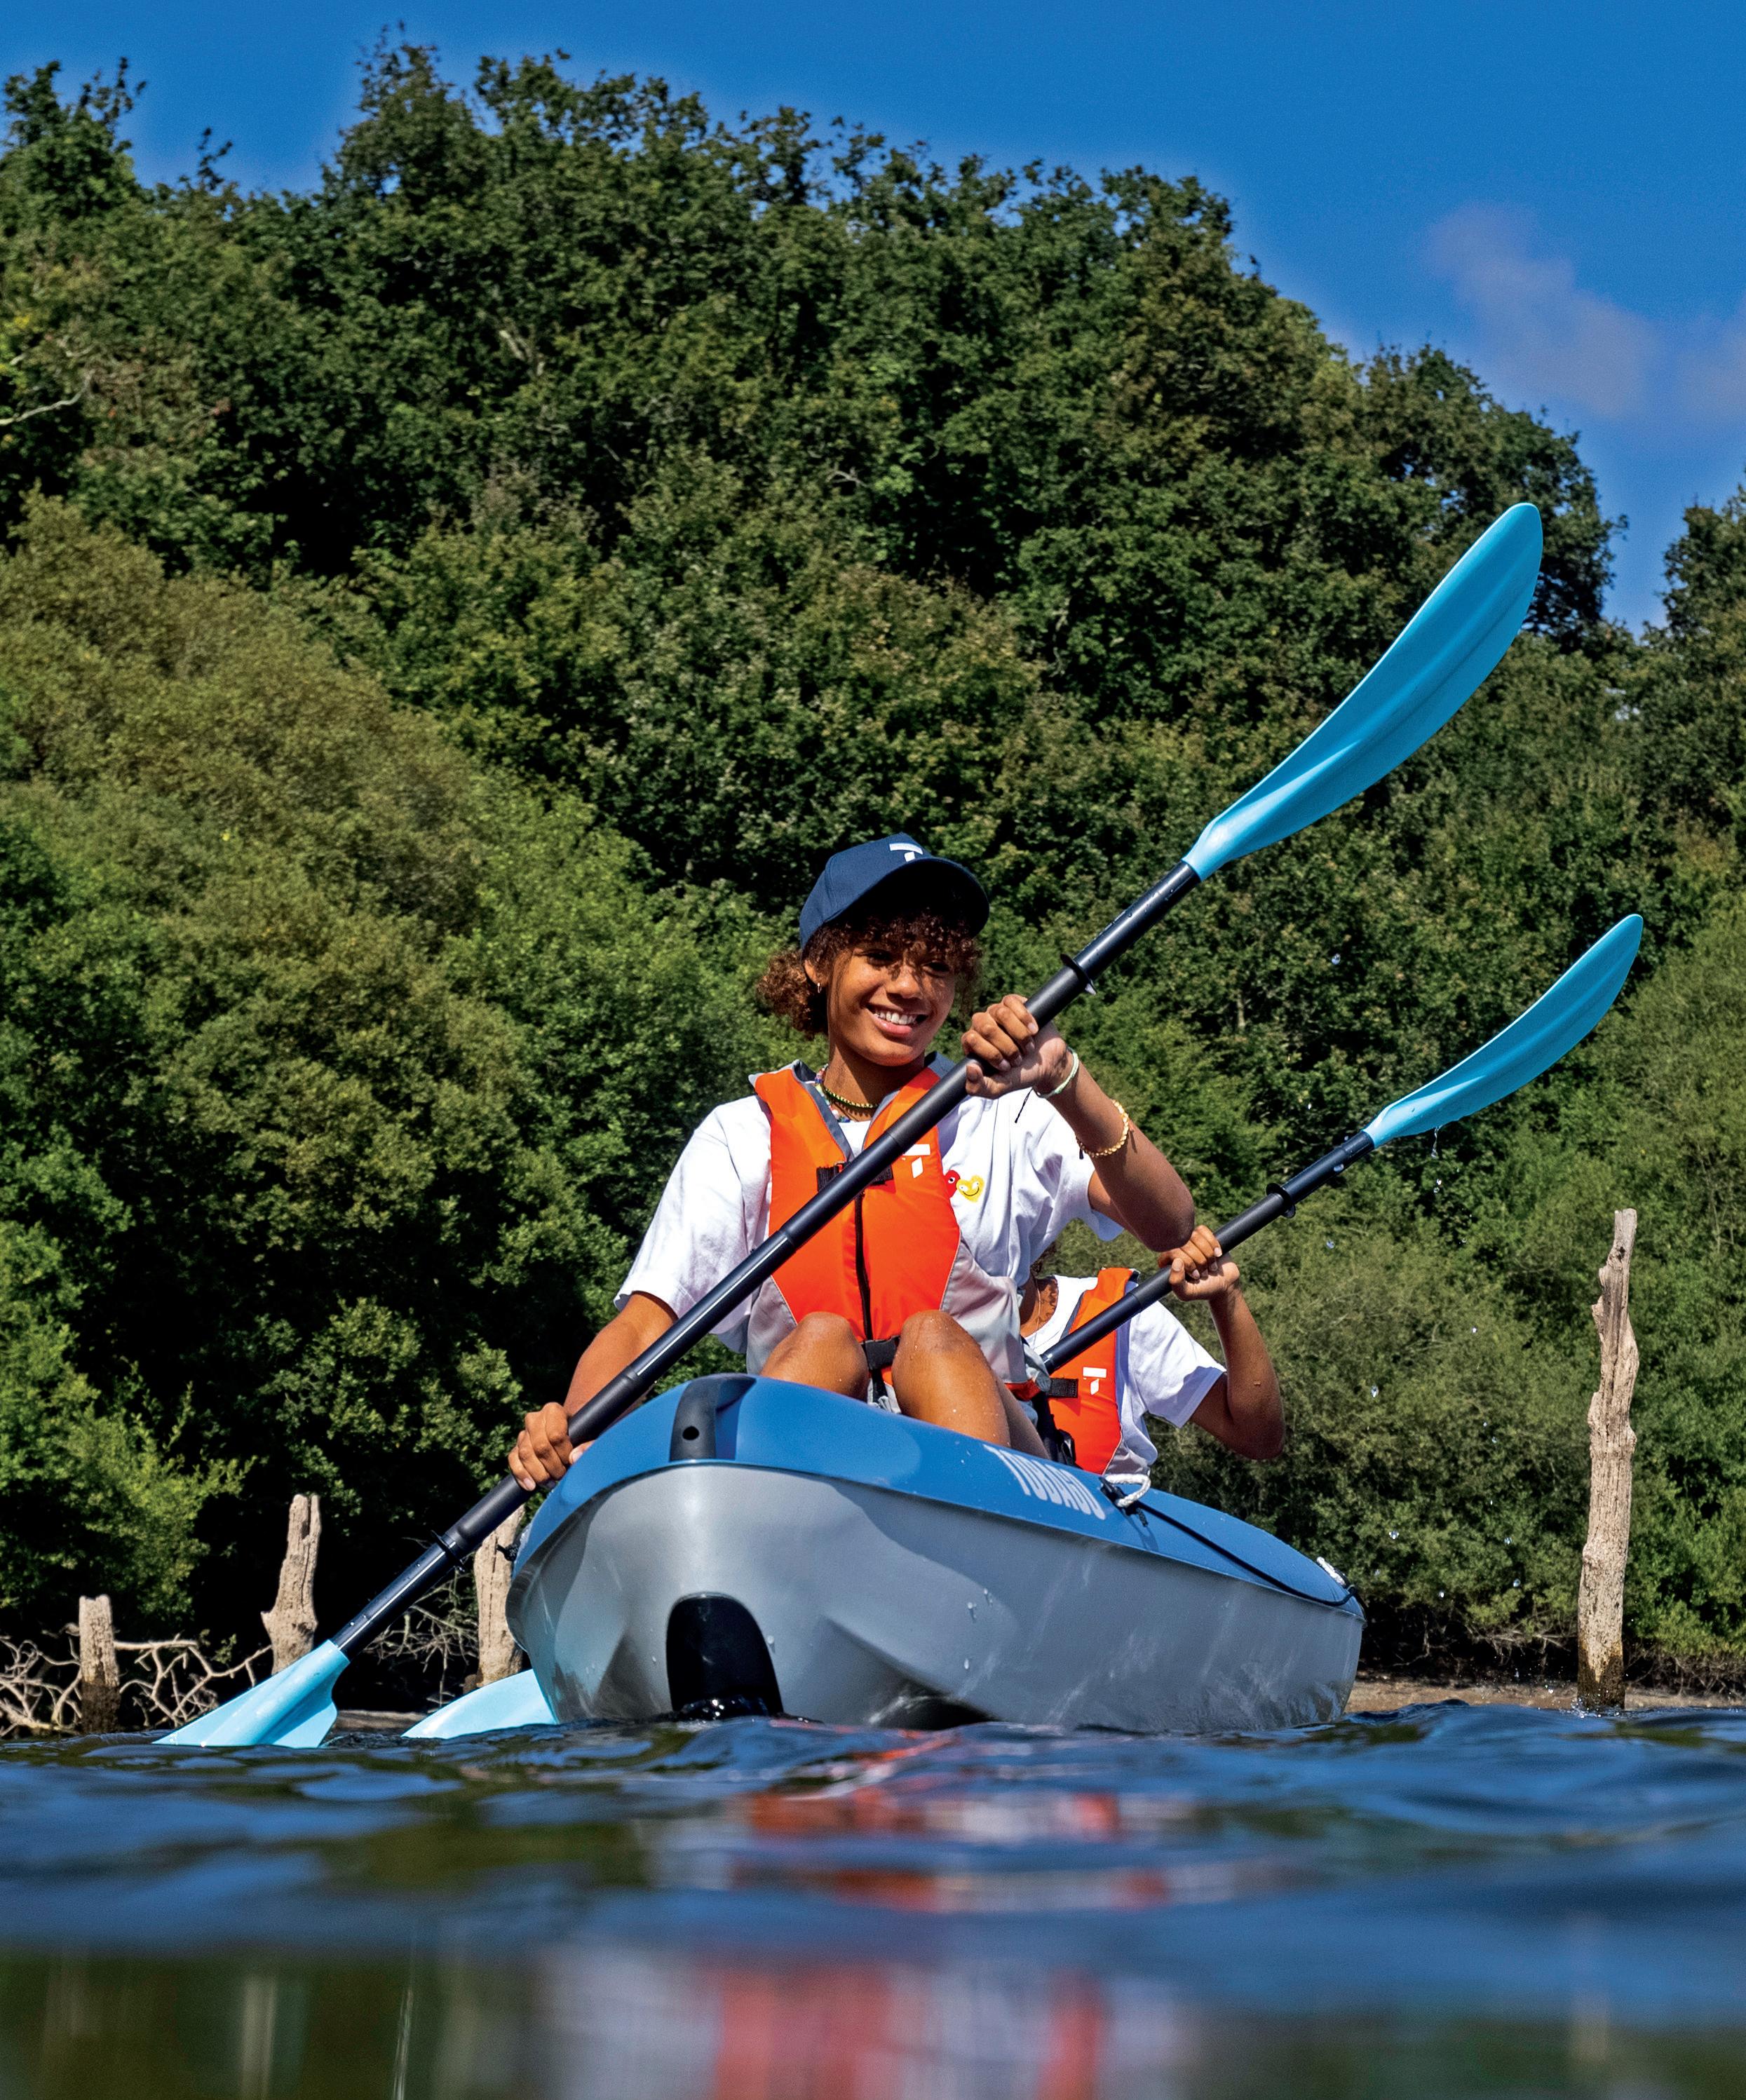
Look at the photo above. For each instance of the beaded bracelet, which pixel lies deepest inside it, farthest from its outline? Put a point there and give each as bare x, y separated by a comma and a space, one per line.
1110, 1150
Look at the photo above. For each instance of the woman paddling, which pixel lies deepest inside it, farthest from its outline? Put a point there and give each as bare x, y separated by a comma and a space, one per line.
909, 1297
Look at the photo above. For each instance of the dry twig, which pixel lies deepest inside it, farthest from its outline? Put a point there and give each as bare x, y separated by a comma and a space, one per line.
163, 1683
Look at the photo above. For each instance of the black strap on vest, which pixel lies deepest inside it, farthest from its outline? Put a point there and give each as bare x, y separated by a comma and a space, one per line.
828, 1175
1057, 1441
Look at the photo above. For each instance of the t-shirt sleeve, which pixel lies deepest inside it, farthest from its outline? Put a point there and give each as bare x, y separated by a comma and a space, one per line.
1169, 1373
701, 1228
1056, 1190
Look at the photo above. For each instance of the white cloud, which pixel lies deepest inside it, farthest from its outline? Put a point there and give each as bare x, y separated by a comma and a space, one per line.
1543, 335
1712, 377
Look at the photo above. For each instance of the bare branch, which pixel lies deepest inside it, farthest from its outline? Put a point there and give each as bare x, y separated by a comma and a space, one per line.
172, 1681
48, 407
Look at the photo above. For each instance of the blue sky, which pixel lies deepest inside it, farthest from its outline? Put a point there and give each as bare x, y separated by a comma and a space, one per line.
1556, 193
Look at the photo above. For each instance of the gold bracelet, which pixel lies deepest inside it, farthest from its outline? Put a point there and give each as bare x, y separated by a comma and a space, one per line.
1110, 1150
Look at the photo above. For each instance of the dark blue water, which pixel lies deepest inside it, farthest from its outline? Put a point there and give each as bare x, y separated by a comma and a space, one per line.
1456, 1899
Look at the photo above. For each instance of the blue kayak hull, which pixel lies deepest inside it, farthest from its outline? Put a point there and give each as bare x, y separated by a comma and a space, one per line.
744, 1545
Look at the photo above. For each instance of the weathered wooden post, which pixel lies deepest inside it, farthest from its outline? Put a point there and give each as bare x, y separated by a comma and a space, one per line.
99, 1668
291, 1624
492, 1568
1600, 1598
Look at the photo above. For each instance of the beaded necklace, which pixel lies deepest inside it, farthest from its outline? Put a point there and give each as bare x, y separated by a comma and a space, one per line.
862, 1111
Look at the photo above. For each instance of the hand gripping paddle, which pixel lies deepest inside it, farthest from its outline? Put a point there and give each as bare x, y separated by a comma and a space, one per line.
1533, 1043
1446, 649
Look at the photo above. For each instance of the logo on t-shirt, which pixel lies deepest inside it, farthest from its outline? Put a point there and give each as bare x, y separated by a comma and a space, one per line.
969, 1186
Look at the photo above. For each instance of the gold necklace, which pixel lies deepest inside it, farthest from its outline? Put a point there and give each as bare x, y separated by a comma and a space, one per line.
858, 1110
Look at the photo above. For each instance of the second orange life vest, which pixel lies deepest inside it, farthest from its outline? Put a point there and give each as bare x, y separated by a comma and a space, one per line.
1086, 1393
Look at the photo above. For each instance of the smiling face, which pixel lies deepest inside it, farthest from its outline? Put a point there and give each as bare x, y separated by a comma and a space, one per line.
884, 1001
879, 982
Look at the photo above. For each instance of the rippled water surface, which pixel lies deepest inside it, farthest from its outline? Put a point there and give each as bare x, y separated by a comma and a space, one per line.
1455, 1899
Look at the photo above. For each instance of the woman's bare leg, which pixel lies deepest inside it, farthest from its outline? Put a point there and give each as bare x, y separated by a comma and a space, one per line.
1022, 1432
941, 1376
821, 1351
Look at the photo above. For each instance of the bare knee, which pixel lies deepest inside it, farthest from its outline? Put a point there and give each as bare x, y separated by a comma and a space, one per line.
823, 1351
934, 1333
823, 1331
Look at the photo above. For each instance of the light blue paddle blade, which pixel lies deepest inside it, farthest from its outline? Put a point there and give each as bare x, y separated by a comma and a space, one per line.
511, 1702
294, 1708
1448, 649
1555, 1023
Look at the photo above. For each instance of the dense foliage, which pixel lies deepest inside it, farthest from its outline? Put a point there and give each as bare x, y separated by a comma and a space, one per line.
452, 613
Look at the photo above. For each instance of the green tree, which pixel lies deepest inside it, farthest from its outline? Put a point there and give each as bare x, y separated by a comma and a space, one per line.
337, 1067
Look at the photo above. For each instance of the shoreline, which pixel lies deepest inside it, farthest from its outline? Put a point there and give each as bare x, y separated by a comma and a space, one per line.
1376, 1692
1385, 1692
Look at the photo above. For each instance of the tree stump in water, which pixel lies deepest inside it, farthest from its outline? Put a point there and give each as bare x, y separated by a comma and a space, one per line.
99, 1668
492, 1568
1600, 1598
291, 1624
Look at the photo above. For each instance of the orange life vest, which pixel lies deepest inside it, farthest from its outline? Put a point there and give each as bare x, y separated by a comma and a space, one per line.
895, 1250
1085, 1395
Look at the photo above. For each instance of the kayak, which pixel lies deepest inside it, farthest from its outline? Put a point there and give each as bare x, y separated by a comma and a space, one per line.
742, 1545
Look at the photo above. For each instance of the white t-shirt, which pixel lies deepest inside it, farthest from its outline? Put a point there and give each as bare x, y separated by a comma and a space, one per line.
1021, 1178
1169, 1374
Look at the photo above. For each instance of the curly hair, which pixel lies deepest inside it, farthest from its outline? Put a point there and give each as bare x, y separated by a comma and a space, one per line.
928, 936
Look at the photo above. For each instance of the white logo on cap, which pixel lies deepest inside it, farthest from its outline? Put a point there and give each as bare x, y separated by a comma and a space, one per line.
909, 853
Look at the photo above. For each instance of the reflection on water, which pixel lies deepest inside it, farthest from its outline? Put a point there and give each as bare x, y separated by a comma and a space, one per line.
641, 2028
1458, 1900
640, 2025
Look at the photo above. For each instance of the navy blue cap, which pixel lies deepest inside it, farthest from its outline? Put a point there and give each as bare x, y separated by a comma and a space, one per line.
858, 871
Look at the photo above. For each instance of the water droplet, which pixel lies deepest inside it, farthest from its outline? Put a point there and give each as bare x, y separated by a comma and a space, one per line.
1439, 1593
1472, 1330
1508, 1540
1394, 1534
1328, 1244
1517, 1583
1335, 956
1374, 1390
966, 1662
971, 1609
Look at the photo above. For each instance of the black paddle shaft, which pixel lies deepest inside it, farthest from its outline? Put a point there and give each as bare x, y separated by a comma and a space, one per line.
1078, 974
1279, 1201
